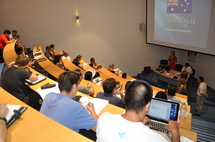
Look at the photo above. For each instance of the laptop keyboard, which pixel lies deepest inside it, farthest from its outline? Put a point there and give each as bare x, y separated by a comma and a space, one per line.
158, 126
41, 59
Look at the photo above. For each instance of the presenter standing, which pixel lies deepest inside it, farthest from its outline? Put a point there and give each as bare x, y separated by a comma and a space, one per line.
172, 60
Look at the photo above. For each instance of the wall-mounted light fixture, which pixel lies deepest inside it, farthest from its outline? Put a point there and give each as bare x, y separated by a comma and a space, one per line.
77, 17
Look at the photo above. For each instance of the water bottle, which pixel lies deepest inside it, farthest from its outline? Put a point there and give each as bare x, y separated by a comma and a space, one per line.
183, 110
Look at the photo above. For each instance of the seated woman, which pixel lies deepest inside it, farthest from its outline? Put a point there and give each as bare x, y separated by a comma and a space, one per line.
66, 55
181, 87
115, 71
58, 61
77, 60
88, 76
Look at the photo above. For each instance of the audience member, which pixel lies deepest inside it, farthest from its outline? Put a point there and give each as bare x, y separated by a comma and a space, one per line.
66, 55
63, 109
181, 87
187, 68
161, 95
201, 94
124, 75
170, 92
130, 126
13, 34
109, 87
172, 60
58, 61
76, 61
93, 63
4, 39
48, 53
88, 76
3, 128
14, 82
89, 90
115, 71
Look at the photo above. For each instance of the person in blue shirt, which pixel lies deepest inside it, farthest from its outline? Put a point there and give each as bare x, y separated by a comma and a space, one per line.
63, 109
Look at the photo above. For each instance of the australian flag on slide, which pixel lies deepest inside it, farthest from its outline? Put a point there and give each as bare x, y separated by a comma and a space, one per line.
179, 6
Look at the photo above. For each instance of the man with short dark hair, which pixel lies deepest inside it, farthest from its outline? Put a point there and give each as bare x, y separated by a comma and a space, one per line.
130, 126
170, 92
63, 109
14, 80
109, 87
4, 38
48, 53
201, 94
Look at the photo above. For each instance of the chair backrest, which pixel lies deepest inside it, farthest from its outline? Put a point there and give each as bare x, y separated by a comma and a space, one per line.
164, 62
179, 67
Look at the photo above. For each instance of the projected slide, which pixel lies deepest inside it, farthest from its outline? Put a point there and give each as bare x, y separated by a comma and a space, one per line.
184, 22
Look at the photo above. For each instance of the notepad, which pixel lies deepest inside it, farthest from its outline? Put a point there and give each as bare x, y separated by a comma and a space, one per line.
40, 78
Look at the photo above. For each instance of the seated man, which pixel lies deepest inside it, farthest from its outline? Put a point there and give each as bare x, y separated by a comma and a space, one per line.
49, 54
161, 95
187, 68
170, 92
77, 60
130, 126
93, 63
63, 109
109, 86
14, 82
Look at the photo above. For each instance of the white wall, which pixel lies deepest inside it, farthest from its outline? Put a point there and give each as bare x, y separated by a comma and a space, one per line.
108, 30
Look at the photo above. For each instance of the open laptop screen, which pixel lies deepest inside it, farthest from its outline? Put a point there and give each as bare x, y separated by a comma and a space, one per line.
162, 110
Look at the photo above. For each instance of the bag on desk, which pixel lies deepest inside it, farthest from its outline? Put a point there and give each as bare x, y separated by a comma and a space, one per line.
147, 69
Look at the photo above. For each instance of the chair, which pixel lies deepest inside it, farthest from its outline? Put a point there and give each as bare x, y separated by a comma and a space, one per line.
163, 64
179, 67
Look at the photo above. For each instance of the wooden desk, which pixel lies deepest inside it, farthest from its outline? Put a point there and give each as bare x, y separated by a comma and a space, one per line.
33, 126
56, 71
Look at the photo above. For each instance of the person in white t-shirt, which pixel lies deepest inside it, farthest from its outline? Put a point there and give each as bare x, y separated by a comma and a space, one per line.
130, 126
187, 68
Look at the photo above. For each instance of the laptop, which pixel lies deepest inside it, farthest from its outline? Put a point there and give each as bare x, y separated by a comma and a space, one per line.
40, 78
159, 112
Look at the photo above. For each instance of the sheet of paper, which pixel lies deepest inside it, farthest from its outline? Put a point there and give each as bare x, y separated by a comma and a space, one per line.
99, 104
44, 92
11, 108
40, 78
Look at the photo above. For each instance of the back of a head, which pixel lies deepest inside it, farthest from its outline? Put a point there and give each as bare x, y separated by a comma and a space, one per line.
66, 80
201, 78
78, 73
18, 49
78, 57
7, 32
171, 90
124, 75
138, 94
187, 64
22, 60
52, 46
161, 95
57, 59
88, 75
47, 48
109, 85
92, 59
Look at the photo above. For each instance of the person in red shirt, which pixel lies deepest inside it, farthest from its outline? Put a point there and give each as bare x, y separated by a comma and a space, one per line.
4, 38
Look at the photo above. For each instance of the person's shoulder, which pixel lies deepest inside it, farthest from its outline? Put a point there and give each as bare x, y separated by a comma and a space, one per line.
99, 94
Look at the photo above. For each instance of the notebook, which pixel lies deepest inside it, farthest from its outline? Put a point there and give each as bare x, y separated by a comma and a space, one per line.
159, 113
40, 78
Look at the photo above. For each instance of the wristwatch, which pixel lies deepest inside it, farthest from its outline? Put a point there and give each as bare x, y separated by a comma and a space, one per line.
3, 118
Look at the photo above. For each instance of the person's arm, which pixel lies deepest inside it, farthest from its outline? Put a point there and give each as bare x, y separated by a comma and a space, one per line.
174, 129
81, 65
3, 129
90, 108
33, 77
